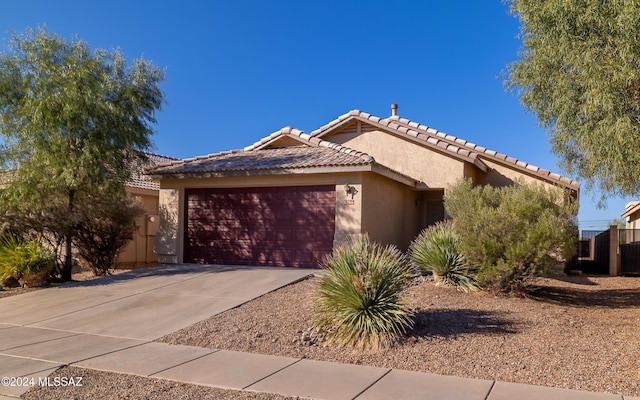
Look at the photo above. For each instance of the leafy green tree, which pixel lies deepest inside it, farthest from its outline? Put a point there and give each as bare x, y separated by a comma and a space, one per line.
71, 120
514, 233
579, 72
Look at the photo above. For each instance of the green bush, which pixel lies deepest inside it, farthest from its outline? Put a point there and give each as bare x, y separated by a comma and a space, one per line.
27, 261
437, 251
359, 296
107, 226
514, 233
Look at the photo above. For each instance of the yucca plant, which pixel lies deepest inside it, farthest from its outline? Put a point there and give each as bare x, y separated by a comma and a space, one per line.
27, 261
436, 251
359, 297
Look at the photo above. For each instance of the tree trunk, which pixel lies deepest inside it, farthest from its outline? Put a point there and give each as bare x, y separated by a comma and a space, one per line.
68, 258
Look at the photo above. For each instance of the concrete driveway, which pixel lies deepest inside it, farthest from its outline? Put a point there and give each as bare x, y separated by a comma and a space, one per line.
144, 304
109, 324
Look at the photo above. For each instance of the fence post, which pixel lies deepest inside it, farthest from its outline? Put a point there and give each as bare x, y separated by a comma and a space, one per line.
614, 249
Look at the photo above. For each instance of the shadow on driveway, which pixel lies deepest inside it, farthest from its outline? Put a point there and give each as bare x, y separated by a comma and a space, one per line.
165, 270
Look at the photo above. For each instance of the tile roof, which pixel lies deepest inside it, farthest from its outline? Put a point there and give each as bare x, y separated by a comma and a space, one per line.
286, 158
455, 146
140, 179
311, 155
305, 138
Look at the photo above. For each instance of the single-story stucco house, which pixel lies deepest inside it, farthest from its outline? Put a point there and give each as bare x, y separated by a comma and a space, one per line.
291, 197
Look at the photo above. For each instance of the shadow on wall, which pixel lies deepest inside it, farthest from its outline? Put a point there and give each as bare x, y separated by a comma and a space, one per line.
167, 237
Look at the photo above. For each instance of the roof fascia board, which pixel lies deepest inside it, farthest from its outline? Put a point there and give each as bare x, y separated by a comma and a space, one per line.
404, 135
372, 167
630, 211
491, 155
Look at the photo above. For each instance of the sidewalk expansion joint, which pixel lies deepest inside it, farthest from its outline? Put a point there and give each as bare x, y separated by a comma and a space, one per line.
182, 363
493, 383
108, 352
273, 373
71, 334
30, 324
373, 383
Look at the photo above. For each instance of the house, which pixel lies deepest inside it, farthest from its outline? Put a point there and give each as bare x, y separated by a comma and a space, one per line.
631, 215
146, 191
291, 197
631, 231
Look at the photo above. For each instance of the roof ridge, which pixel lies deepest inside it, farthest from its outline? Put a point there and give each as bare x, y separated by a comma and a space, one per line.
481, 151
372, 119
308, 139
183, 161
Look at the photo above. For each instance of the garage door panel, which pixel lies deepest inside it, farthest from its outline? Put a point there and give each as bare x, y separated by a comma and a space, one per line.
282, 226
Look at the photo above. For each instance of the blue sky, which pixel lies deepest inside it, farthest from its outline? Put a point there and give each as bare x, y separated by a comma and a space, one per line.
239, 70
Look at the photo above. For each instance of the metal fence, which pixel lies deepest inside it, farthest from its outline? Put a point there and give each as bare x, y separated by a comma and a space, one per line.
594, 250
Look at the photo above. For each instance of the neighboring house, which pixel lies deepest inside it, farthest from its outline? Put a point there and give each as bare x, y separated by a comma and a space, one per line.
146, 191
631, 215
292, 197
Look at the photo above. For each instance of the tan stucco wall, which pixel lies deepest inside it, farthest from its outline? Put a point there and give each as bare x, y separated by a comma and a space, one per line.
140, 248
168, 240
424, 164
348, 210
501, 175
390, 214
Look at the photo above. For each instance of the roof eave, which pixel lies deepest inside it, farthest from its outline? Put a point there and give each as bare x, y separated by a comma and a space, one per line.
408, 133
370, 167
629, 211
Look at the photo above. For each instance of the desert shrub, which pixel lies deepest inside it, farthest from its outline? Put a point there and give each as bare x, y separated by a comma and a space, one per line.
27, 261
514, 233
107, 226
437, 251
359, 295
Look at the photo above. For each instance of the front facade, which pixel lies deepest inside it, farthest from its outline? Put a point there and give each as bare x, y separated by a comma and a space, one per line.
292, 197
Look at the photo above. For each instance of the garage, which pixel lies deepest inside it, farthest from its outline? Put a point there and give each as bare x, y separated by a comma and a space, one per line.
290, 226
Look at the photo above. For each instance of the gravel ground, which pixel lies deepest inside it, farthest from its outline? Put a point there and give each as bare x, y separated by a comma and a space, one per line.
107, 385
578, 333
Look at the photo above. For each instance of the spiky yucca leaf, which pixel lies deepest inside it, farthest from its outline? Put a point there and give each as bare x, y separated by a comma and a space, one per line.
359, 297
436, 250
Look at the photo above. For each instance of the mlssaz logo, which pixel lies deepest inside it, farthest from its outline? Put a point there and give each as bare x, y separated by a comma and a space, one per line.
59, 381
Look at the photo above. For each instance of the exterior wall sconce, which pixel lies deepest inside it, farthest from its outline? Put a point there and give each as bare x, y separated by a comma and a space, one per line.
351, 191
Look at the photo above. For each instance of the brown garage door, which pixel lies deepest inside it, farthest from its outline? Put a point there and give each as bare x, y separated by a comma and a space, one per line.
282, 226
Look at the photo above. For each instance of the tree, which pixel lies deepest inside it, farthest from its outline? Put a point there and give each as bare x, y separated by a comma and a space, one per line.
107, 225
71, 121
579, 72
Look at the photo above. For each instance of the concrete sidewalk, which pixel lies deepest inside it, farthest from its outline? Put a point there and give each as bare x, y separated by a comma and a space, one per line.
111, 323
37, 352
